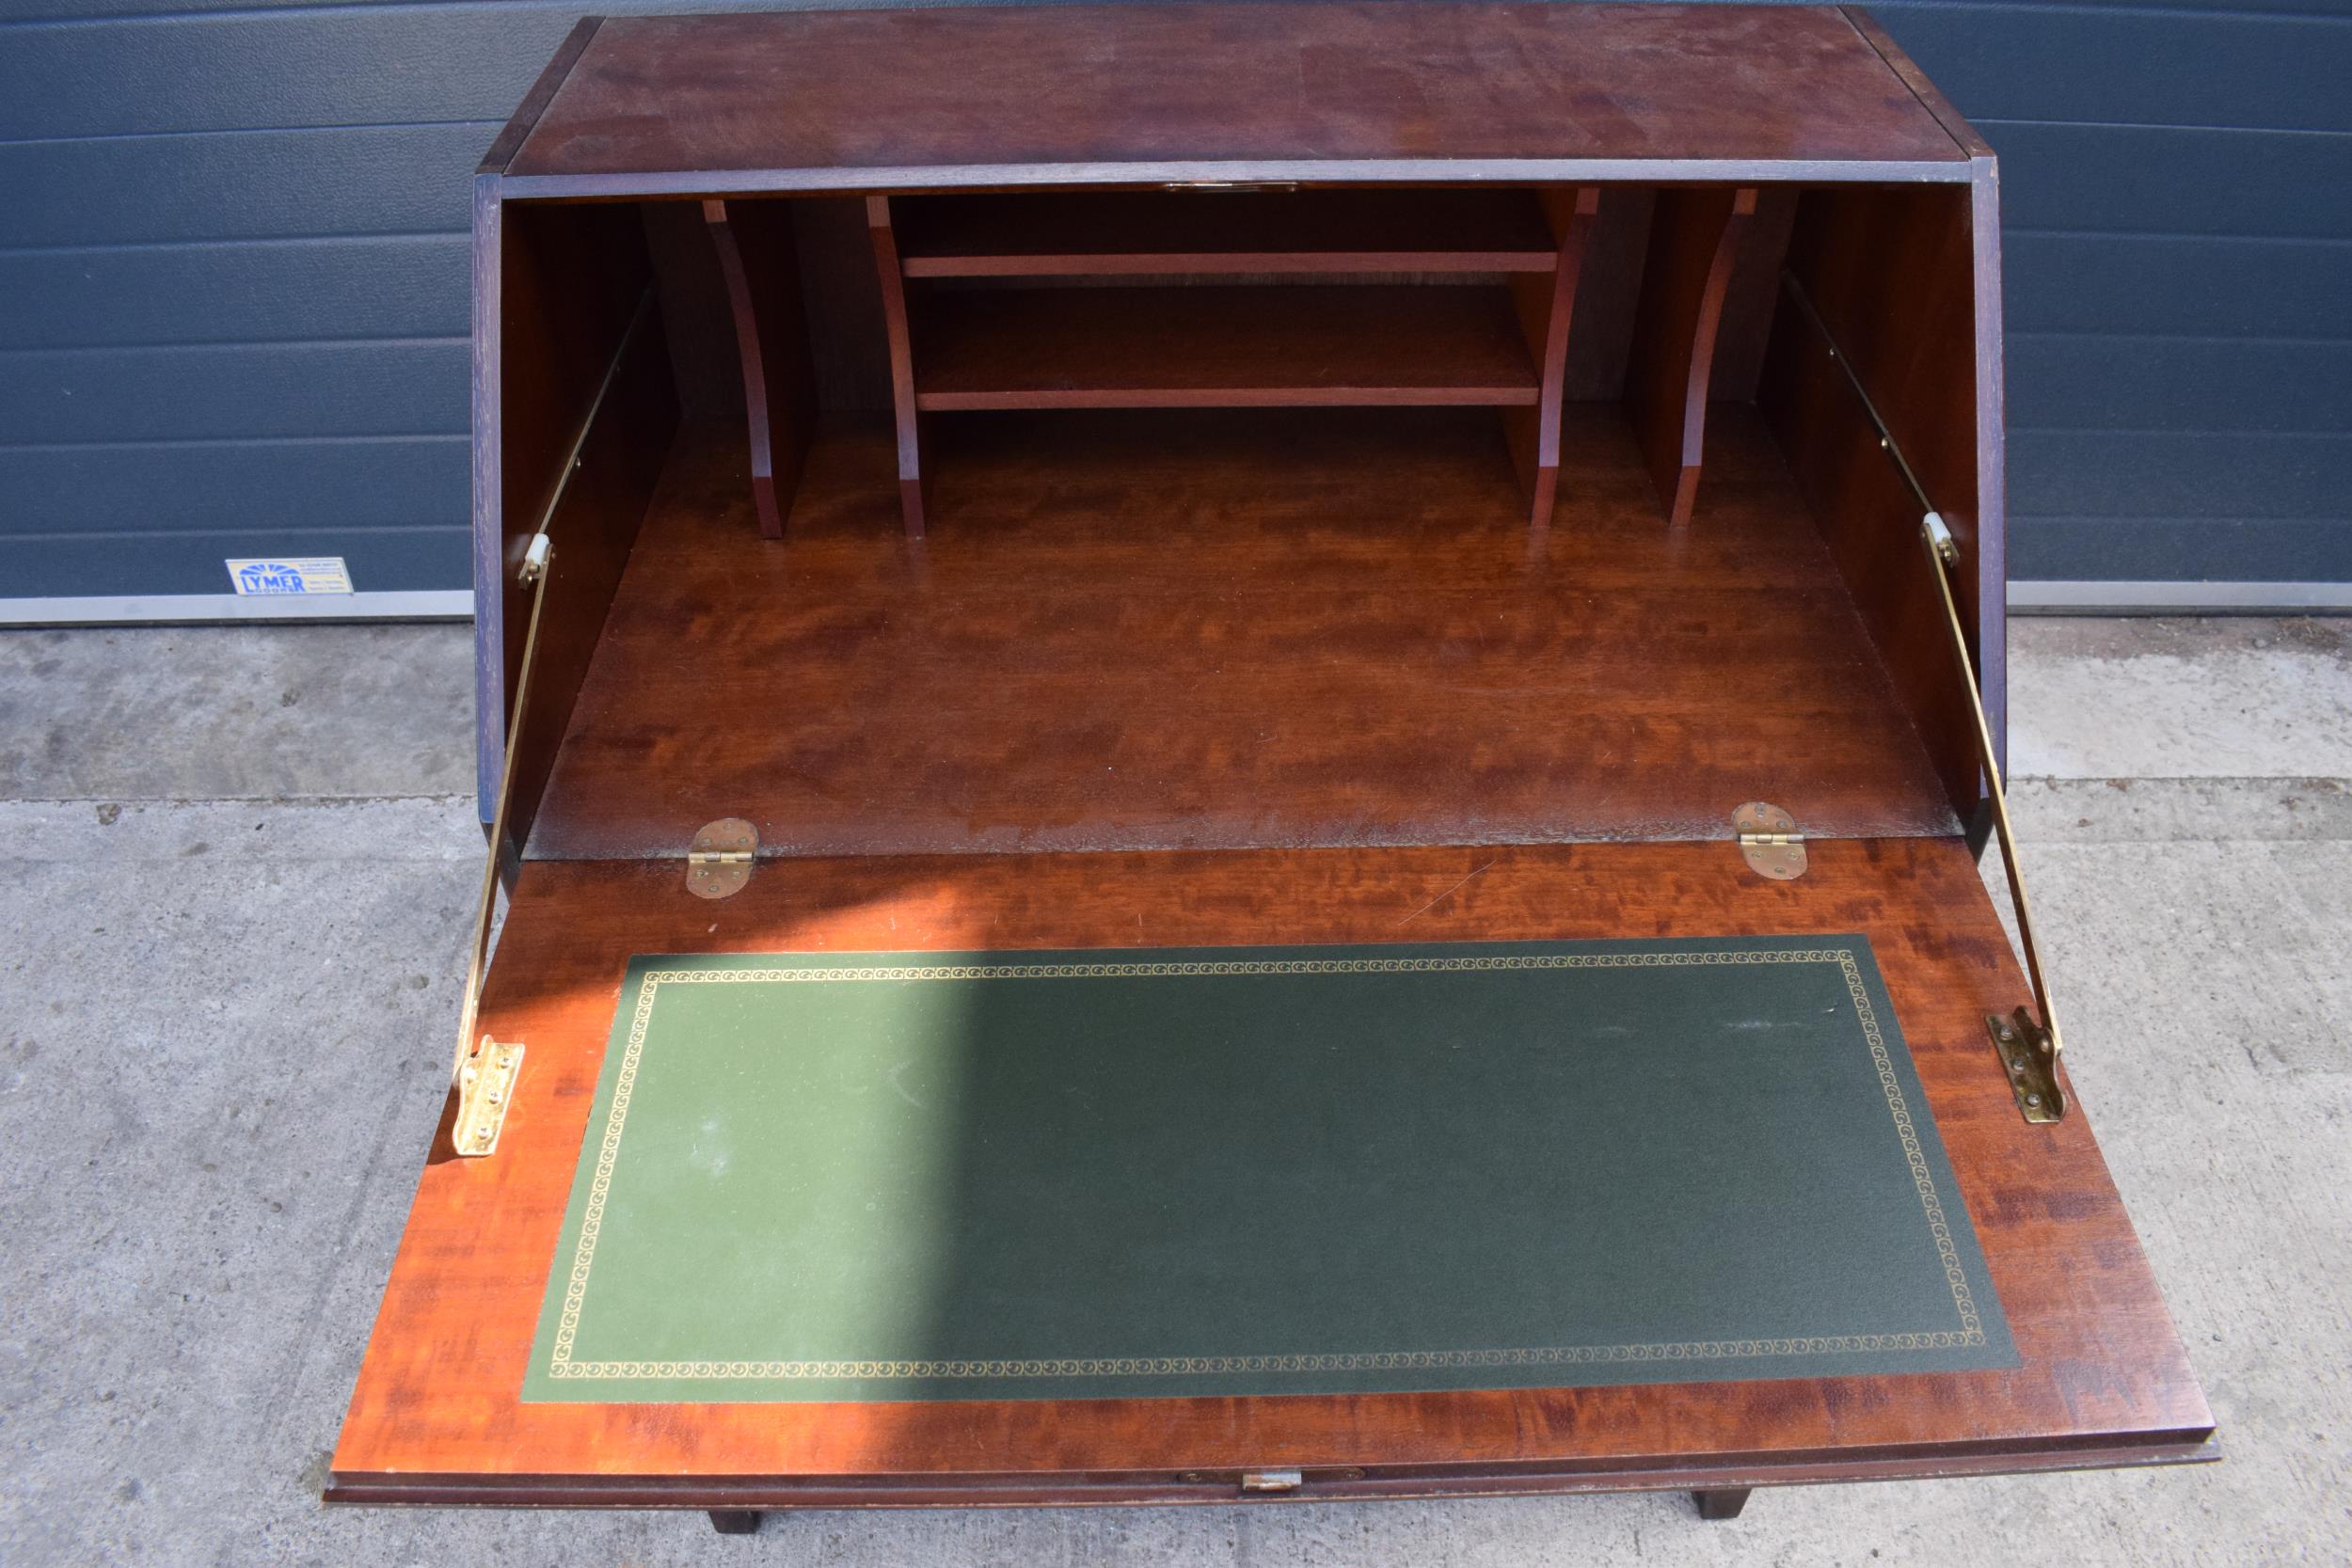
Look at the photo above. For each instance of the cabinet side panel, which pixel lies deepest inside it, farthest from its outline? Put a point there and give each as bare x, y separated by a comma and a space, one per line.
568, 282
489, 604
1990, 548
1991, 531
1891, 273
493, 667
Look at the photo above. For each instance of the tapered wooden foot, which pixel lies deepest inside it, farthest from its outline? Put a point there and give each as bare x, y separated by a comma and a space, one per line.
745, 1521
1723, 1504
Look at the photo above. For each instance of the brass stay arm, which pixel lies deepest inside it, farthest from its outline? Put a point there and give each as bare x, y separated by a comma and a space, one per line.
2029, 1047
485, 1070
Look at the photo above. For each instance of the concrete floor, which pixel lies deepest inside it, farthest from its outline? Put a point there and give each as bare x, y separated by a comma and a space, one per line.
237, 865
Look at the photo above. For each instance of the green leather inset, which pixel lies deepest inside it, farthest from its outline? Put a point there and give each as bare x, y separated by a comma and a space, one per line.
941, 1175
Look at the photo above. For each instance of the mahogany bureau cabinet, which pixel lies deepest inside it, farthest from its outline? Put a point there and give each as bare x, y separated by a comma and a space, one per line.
1333, 673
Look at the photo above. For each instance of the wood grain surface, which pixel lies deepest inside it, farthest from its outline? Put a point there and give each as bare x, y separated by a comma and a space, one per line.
758, 262
1144, 233
1091, 93
897, 321
2104, 1379
1162, 630
1696, 240
1547, 310
1222, 346
1285, 674
555, 290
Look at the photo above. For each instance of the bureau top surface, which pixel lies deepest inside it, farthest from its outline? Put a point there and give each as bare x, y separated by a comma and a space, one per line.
1151, 92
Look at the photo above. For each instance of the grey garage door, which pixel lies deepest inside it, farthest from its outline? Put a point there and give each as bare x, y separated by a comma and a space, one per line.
233, 306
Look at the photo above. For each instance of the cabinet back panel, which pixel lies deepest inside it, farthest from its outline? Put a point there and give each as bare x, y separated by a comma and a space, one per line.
1173, 629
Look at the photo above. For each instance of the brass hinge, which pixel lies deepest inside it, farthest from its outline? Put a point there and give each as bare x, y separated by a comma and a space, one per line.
720, 860
1769, 840
2030, 1054
486, 1087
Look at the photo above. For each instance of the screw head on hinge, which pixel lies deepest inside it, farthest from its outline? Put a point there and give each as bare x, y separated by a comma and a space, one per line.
1939, 537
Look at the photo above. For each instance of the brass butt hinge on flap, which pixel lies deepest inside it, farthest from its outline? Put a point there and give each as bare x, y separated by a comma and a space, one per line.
1769, 841
720, 861
2029, 1046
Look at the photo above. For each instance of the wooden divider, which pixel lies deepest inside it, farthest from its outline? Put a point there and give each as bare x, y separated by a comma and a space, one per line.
760, 265
1694, 240
1546, 303
894, 293
1247, 344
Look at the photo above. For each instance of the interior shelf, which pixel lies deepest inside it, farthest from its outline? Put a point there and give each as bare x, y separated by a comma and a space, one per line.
1224, 346
1149, 232
1156, 299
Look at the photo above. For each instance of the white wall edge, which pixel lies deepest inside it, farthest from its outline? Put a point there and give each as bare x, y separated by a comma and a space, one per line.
184, 609
2025, 598
2180, 598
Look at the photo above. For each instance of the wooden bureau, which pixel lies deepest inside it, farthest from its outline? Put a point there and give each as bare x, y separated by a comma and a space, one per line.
1186, 475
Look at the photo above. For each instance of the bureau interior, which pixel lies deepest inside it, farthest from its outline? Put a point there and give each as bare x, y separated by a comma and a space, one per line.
1266, 518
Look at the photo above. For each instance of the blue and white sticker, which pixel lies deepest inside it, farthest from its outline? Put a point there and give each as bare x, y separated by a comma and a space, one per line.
319, 573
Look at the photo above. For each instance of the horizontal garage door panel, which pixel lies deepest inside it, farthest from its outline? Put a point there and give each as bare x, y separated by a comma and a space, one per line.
254, 290
2126, 179
2131, 65
240, 185
375, 482
465, 63
2200, 550
2072, 381
238, 222
2170, 474
181, 392
2193, 286
385, 561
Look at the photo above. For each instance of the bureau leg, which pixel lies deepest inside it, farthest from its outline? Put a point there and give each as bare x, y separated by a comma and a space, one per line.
745, 1521
1724, 1503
